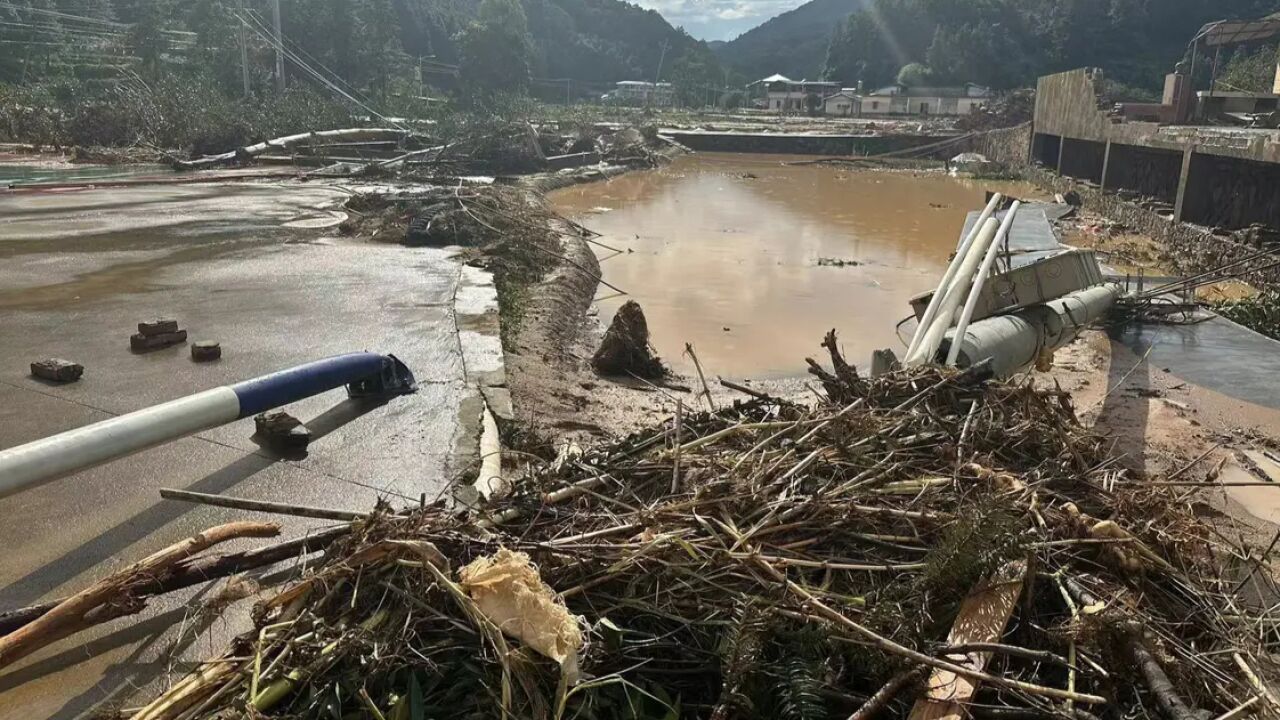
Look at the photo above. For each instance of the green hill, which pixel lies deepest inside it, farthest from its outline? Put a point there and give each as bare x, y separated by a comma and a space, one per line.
793, 43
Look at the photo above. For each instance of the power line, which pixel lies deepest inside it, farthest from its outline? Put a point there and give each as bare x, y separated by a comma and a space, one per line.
316, 74
62, 15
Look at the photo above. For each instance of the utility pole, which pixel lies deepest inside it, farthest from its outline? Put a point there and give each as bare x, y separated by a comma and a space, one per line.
275, 19
244, 47
657, 78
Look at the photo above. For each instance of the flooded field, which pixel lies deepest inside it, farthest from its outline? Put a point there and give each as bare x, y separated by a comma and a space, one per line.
752, 261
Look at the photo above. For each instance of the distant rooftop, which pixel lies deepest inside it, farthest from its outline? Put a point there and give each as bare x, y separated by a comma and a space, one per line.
784, 79
966, 90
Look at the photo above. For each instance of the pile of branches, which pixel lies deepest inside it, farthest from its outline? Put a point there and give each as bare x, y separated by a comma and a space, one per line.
928, 541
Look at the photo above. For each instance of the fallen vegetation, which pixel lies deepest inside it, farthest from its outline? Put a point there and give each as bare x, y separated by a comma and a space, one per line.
926, 539
1260, 312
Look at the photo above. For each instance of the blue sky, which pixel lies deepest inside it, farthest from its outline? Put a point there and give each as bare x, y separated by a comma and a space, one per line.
718, 19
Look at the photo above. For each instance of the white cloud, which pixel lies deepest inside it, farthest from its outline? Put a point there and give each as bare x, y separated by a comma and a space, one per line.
718, 19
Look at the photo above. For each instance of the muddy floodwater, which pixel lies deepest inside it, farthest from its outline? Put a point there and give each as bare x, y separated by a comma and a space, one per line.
753, 261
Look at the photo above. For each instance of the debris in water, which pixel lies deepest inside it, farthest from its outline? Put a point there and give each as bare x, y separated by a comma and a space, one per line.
625, 349
837, 262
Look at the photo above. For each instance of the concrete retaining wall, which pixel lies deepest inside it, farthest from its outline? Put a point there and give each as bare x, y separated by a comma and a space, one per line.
1190, 248
1010, 146
796, 144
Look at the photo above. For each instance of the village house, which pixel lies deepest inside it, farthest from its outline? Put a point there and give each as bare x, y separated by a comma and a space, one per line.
904, 100
782, 94
845, 103
640, 93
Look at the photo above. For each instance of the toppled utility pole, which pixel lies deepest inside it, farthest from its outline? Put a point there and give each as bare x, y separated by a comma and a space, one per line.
279, 42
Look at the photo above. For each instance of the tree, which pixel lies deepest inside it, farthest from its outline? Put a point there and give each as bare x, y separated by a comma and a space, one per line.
146, 36
915, 74
733, 99
217, 41
813, 103
990, 56
495, 51
1253, 72
874, 43
692, 74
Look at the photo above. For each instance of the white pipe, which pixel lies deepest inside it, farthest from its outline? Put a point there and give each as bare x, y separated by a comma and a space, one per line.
928, 347
981, 279
95, 444
932, 310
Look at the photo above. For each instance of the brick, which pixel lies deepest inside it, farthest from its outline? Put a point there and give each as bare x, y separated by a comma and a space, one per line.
282, 430
153, 342
57, 370
205, 351
158, 327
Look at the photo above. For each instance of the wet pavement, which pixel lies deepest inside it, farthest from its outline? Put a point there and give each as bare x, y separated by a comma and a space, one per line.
244, 265
1217, 354
730, 253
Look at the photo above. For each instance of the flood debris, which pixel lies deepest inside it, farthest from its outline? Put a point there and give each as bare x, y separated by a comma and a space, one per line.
57, 370
837, 262
206, 351
494, 148
925, 538
625, 349
282, 431
156, 334
245, 154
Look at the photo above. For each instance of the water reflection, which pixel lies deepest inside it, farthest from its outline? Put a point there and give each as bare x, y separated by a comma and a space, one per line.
725, 250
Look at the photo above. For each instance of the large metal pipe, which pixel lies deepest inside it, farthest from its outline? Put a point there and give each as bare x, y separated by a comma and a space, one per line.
980, 279
1013, 341
364, 373
934, 334
932, 310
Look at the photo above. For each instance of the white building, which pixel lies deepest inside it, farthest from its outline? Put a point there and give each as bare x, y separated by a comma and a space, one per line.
846, 103
782, 94
639, 92
903, 100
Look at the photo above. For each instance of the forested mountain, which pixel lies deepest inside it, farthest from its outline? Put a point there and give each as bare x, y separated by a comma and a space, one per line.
600, 40
1007, 43
1002, 43
793, 43
361, 41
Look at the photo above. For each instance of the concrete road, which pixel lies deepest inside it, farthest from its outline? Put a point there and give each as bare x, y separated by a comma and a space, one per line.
250, 266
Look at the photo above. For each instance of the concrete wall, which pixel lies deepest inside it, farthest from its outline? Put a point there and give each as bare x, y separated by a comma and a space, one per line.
1084, 159
1189, 248
1230, 193
799, 144
1010, 146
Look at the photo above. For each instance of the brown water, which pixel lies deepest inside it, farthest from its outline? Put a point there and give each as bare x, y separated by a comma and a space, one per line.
722, 251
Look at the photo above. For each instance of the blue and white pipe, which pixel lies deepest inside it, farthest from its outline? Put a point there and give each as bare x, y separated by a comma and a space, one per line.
363, 373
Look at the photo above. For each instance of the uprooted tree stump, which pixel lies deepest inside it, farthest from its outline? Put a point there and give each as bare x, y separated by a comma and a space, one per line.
625, 349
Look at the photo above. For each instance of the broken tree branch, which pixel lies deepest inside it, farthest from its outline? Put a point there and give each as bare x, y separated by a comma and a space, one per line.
265, 506
69, 614
194, 571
